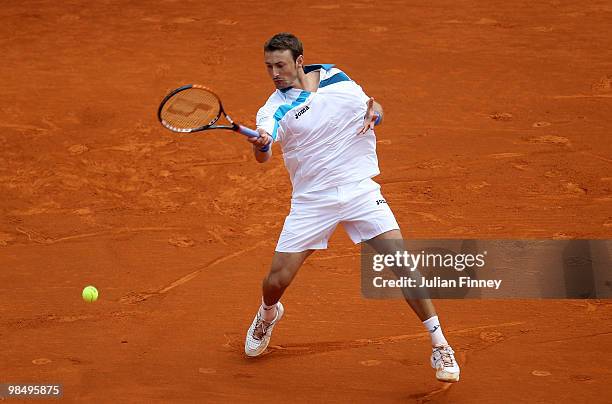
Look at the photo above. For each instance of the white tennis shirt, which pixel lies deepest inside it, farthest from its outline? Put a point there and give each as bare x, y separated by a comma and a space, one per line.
318, 132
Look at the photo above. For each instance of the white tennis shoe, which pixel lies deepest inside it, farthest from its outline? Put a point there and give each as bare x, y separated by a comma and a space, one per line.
260, 331
443, 360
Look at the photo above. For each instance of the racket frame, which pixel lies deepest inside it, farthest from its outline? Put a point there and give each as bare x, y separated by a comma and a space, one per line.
232, 126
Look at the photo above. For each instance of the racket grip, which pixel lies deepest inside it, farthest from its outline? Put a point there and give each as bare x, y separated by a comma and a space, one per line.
252, 133
247, 131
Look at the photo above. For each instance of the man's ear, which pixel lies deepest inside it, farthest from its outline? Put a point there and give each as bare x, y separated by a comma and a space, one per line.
300, 61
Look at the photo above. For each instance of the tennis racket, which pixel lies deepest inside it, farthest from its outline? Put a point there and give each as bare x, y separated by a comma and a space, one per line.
195, 108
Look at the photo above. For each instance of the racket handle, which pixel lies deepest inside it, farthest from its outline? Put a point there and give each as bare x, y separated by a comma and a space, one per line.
247, 131
251, 133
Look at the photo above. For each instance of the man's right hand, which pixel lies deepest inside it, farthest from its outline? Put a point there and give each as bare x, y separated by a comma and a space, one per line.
263, 139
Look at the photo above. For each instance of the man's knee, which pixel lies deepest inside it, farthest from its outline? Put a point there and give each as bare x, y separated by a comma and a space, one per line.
283, 269
388, 243
278, 279
390, 247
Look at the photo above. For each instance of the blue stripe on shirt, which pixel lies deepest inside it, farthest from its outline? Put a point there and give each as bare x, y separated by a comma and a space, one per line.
283, 109
336, 78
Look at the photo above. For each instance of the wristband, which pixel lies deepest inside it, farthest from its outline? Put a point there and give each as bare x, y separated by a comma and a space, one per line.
378, 118
265, 148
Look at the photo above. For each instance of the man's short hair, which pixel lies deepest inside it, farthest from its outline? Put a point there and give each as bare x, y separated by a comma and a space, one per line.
285, 41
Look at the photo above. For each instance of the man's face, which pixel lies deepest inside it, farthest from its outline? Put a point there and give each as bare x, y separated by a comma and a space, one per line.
283, 70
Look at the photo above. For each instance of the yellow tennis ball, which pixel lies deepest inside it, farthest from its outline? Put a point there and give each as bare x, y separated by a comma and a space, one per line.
90, 294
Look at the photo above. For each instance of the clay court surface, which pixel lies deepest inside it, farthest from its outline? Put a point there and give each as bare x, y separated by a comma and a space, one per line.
498, 122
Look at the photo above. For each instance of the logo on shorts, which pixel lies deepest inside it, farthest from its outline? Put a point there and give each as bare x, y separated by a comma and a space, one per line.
301, 111
380, 201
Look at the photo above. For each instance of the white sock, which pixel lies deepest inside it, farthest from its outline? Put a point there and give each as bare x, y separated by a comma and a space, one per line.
267, 312
435, 331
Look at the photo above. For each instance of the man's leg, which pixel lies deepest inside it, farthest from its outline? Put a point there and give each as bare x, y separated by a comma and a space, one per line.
443, 359
282, 271
389, 243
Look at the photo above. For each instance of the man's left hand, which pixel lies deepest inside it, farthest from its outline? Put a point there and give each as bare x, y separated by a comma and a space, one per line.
370, 117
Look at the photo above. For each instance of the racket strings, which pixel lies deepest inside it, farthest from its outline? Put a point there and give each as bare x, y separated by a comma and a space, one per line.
191, 108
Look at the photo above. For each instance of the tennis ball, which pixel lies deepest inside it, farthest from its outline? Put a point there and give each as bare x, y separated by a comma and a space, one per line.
90, 294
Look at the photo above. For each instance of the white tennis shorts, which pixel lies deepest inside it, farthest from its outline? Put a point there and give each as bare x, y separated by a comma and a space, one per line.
313, 217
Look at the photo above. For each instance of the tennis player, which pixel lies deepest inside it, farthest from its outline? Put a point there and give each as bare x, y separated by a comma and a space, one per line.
324, 123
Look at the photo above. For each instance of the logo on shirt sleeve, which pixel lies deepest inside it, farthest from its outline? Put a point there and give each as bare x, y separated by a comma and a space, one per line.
301, 111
